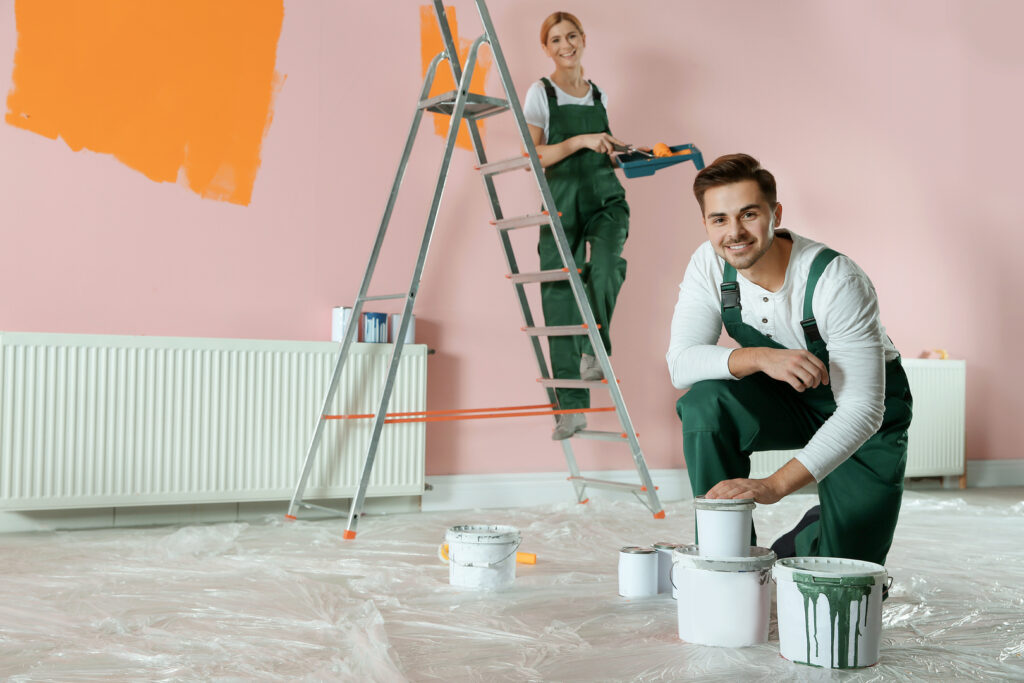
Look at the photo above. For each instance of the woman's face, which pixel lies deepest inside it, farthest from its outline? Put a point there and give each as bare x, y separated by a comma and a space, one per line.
565, 44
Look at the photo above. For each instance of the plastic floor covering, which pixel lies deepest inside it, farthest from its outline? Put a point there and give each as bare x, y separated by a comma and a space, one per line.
292, 601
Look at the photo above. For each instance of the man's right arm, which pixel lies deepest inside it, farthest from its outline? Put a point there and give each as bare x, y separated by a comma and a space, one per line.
696, 325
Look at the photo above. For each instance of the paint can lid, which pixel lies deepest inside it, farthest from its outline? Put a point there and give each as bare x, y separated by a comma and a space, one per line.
483, 534
826, 570
637, 550
665, 545
689, 557
730, 504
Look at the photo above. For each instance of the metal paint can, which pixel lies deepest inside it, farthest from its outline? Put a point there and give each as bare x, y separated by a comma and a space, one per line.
665, 549
340, 318
638, 572
723, 526
396, 324
375, 328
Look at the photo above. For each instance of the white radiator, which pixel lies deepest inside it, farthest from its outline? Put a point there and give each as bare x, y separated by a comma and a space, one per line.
936, 432
107, 421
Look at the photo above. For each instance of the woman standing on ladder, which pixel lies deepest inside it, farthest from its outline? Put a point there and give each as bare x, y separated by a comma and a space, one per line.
568, 121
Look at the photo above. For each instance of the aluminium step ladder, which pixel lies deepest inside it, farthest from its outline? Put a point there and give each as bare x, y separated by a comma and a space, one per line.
462, 105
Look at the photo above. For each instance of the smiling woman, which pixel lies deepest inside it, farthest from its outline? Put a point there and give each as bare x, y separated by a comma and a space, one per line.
568, 121
171, 88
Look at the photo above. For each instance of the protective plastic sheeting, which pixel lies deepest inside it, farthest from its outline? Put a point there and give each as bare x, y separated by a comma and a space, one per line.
292, 601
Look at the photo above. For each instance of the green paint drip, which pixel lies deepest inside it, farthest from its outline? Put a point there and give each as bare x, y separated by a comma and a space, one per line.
840, 593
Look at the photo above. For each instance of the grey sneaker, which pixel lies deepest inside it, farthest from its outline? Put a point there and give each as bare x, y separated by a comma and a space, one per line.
590, 369
568, 424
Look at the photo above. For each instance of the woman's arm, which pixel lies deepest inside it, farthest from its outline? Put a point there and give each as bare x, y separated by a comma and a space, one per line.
552, 154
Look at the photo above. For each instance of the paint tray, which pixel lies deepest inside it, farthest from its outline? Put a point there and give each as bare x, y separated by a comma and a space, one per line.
636, 165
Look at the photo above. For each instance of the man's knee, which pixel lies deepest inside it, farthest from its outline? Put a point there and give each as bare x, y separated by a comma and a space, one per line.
703, 406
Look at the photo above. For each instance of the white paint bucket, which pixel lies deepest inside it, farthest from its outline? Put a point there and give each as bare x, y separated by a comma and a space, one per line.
340, 318
665, 566
723, 602
638, 572
830, 611
481, 556
723, 526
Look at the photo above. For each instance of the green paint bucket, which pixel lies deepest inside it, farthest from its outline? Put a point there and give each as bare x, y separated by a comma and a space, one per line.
830, 611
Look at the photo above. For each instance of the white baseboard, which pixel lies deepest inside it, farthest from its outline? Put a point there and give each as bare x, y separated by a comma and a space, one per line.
985, 473
468, 491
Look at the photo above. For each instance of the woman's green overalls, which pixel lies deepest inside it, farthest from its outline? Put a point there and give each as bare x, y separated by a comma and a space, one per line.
594, 211
725, 420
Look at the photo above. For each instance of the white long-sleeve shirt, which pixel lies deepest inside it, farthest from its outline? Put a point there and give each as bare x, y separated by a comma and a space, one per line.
846, 310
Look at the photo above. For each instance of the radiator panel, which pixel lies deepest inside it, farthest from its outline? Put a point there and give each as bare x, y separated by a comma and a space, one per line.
97, 421
936, 435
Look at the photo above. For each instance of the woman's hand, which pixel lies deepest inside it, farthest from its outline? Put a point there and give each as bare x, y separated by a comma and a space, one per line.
602, 143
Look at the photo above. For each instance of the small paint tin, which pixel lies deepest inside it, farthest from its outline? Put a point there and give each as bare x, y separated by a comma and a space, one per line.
396, 325
723, 526
375, 328
665, 549
340, 318
638, 571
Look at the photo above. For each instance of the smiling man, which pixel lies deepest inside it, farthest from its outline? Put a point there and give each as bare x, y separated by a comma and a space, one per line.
815, 371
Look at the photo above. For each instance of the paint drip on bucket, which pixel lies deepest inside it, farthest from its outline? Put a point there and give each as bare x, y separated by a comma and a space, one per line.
852, 595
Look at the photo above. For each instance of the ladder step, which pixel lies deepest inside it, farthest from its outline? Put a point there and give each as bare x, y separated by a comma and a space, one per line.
513, 164
385, 297
605, 484
523, 221
542, 276
600, 436
556, 331
477, 106
574, 383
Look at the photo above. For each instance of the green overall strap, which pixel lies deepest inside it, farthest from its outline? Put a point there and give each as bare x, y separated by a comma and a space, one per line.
550, 91
731, 306
811, 333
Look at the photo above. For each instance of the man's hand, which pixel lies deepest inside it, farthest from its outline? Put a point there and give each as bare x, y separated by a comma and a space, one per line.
789, 478
799, 368
761, 490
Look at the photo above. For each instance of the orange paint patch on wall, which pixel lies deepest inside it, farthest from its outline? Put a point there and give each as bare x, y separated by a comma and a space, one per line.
431, 44
171, 88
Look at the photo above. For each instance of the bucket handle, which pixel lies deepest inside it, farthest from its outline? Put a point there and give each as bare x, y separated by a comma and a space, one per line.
442, 553
672, 576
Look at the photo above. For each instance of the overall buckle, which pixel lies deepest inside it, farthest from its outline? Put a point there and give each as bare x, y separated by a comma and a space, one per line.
731, 295
810, 326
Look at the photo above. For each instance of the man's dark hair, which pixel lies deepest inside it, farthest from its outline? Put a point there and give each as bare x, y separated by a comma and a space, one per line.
734, 168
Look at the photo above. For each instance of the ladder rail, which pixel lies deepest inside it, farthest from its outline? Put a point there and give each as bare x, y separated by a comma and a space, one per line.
575, 281
428, 233
357, 307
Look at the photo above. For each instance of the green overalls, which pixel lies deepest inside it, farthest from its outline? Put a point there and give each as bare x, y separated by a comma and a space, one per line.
725, 420
594, 211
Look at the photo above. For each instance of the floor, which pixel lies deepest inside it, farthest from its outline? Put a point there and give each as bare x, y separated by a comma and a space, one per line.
292, 601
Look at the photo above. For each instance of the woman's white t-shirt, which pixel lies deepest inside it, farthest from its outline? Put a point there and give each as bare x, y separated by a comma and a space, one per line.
535, 106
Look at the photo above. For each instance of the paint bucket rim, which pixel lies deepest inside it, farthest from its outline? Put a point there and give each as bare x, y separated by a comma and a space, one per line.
723, 504
483, 534
688, 557
789, 568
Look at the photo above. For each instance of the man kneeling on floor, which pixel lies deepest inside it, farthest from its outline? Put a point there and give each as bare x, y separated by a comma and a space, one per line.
815, 371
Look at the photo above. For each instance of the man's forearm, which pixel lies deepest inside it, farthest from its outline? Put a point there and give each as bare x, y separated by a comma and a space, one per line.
791, 477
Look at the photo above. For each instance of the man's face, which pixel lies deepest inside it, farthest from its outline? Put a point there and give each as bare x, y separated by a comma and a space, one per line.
740, 223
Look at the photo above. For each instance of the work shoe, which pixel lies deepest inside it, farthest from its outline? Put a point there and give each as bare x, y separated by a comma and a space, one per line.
785, 545
590, 369
568, 424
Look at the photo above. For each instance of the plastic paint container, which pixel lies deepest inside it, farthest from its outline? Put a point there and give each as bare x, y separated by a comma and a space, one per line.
481, 556
638, 572
830, 611
665, 566
341, 316
375, 328
723, 526
723, 602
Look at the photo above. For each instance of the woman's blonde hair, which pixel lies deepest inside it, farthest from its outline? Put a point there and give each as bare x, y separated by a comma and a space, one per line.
554, 19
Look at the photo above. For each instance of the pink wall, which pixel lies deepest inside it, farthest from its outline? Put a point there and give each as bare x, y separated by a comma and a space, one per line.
892, 128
